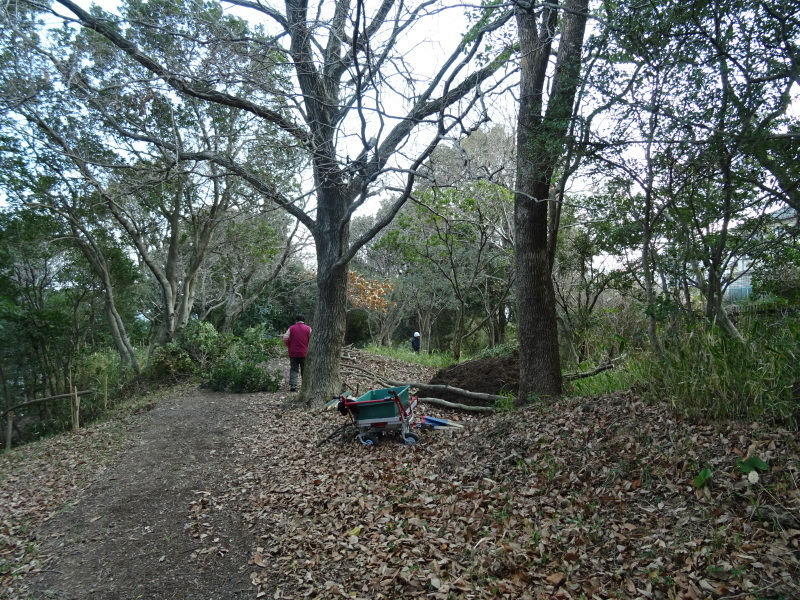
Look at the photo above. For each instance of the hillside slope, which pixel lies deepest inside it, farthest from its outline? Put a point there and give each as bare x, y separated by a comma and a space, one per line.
222, 496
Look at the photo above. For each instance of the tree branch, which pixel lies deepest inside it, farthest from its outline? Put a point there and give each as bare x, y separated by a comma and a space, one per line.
179, 83
456, 406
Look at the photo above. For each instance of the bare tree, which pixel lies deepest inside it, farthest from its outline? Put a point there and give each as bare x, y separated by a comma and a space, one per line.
346, 60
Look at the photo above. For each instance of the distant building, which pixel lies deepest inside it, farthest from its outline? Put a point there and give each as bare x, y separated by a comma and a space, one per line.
741, 268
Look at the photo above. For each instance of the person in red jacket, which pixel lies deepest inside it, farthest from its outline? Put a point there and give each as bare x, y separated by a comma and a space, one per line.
296, 340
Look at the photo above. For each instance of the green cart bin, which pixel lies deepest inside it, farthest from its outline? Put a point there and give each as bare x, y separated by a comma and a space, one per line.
379, 411
379, 404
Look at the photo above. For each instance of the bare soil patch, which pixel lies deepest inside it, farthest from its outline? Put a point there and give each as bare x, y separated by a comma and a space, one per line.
494, 375
131, 534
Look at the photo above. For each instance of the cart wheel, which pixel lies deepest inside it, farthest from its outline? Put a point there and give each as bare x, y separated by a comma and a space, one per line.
367, 439
409, 439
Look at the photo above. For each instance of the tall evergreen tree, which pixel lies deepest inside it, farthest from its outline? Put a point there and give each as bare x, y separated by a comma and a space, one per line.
544, 122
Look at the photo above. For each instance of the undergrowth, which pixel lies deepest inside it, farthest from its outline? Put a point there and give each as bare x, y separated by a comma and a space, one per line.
237, 376
439, 360
221, 361
199, 354
499, 350
618, 379
706, 373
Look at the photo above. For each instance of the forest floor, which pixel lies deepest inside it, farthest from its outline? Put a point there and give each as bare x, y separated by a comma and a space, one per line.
222, 496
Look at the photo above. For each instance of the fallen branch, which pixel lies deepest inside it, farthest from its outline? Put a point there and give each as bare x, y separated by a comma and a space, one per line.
451, 389
339, 430
466, 407
352, 369
427, 386
780, 515
437, 401
600, 369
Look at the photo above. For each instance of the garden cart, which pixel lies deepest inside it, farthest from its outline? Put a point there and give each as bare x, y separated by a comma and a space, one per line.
379, 411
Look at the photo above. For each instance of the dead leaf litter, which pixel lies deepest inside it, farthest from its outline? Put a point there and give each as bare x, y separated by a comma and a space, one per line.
603, 497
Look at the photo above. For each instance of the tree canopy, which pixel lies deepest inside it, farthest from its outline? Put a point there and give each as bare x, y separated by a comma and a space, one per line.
174, 160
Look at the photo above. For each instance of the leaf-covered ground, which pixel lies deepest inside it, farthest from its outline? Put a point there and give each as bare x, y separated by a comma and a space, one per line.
39, 480
580, 498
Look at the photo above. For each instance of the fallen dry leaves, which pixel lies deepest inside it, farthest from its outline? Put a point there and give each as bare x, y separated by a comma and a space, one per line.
39, 480
580, 498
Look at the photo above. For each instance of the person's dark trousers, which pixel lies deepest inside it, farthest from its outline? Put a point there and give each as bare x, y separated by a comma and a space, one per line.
296, 365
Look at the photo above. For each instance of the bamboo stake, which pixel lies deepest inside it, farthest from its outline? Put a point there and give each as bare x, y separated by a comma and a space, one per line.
76, 410
9, 430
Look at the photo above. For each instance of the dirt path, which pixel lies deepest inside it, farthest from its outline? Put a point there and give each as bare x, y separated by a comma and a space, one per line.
221, 496
132, 535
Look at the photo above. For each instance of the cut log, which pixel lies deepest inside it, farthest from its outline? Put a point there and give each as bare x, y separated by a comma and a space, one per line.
454, 405
451, 389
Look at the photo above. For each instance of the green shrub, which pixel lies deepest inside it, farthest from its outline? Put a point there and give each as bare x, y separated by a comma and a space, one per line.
200, 349
170, 362
203, 343
256, 345
233, 375
104, 371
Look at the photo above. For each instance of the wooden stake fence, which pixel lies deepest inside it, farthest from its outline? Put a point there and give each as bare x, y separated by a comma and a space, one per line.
75, 404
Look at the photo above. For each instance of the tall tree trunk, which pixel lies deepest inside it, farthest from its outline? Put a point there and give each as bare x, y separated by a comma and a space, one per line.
322, 376
458, 331
649, 288
119, 334
714, 312
539, 148
330, 320
567, 336
648, 222
540, 363
425, 329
